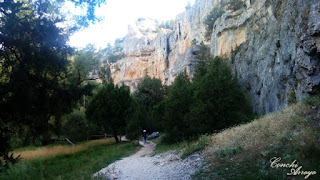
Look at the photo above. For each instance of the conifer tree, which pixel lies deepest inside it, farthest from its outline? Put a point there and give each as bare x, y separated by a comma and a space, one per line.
177, 109
110, 108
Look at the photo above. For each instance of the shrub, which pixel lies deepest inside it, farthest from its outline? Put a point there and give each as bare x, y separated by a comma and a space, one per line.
76, 126
112, 53
235, 5
194, 42
292, 99
312, 100
200, 145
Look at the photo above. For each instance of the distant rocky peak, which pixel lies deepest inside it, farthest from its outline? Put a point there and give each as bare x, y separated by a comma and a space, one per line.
142, 27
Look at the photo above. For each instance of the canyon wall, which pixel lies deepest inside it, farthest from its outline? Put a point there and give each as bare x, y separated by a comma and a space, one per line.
272, 46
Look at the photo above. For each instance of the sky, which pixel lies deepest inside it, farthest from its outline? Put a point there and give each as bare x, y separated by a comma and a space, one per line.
118, 14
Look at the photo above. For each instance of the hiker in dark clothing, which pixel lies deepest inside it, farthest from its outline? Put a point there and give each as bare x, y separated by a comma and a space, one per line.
144, 135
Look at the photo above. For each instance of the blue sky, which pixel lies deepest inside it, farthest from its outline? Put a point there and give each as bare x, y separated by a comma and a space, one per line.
117, 14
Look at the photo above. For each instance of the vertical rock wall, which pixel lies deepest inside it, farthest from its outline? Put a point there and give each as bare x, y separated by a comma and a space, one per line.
273, 47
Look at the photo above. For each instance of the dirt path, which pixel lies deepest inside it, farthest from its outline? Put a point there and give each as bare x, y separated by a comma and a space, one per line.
141, 166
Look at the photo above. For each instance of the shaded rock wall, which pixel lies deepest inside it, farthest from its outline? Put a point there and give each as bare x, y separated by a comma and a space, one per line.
276, 46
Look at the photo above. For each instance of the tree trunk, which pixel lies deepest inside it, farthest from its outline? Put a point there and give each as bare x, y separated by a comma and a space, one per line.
46, 136
116, 138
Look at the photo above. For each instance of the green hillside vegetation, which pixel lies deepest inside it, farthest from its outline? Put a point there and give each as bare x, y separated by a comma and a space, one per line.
244, 151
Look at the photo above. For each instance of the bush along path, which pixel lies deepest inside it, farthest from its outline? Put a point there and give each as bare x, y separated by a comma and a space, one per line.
142, 165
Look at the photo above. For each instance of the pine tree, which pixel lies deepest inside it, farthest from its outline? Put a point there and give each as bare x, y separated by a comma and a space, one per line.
177, 109
218, 101
110, 108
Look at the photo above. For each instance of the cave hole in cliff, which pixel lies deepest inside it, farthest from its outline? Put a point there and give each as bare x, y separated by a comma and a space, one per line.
168, 46
315, 90
179, 30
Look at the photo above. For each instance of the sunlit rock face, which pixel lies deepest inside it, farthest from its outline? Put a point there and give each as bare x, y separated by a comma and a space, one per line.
272, 46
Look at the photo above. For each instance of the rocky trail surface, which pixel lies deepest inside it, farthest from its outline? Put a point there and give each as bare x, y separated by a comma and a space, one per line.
143, 166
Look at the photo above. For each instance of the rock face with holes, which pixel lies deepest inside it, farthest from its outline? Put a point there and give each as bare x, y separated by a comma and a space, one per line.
272, 46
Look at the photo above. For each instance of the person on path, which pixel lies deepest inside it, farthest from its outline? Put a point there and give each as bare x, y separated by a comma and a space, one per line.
144, 135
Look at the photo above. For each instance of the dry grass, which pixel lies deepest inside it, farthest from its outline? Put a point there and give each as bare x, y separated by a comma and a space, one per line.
288, 125
44, 152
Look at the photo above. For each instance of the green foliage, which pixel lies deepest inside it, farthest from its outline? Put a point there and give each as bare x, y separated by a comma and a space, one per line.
79, 165
5, 155
169, 24
199, 145
164, 147
194, 42
110, 108
211, 18
149, 93
218, 102
312, 100
111, 54
30, 72
292, 99
235, 5
312, 152
203, 56
76, 127
84, 62
229, 151
217, 12
36, 78
134, 122
177, 108
211, 102
158, 117
186, 147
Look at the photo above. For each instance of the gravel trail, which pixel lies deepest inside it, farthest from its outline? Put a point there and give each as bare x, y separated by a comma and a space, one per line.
141, 166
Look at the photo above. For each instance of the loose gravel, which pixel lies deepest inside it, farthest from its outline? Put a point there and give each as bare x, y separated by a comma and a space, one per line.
142, 166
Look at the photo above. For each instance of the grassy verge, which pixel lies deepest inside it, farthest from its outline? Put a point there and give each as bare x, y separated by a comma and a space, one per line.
245, 151
185, 148
193, 147
163, 147
29, 153
77, 165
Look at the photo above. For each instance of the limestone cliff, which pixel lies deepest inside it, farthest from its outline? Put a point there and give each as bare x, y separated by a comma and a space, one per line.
273, 47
